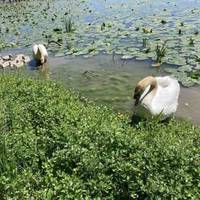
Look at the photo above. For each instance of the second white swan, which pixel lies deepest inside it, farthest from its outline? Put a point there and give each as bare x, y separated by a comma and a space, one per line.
40, 53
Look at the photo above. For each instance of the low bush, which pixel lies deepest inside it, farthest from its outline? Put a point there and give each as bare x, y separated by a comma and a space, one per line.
57, 145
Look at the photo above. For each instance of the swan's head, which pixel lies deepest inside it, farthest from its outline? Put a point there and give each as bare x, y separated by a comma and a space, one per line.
143, 88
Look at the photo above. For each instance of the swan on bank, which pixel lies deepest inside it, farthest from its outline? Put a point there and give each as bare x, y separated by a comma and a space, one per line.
156, 96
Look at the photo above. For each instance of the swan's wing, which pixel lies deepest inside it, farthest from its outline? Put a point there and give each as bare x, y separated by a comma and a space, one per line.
35, 50
43, 50
166, 98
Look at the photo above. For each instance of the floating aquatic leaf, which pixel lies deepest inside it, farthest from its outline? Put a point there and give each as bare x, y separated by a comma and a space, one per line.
59, 54
185, 68
127, 57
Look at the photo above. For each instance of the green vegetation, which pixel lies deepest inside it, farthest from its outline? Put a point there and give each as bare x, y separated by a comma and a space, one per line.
144, 42
57, 145
69, 25
103, 26
197, 58
160, 52
191, 42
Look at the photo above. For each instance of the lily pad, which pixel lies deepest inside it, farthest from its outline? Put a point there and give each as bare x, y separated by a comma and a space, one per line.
127, 57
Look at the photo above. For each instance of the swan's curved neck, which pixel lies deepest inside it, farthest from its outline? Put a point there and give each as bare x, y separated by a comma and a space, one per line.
150, 91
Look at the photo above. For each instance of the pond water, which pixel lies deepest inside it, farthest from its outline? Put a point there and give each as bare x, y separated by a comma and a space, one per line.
88, 56
91, 27
111, 81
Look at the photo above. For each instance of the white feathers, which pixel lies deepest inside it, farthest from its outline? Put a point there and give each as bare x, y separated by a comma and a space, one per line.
40, 53
145, 92
162, 99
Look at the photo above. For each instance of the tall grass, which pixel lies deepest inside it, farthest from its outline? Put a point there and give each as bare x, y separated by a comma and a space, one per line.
160, 52
69, 25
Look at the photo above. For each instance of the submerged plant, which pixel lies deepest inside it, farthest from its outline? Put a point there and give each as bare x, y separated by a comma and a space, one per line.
160, 52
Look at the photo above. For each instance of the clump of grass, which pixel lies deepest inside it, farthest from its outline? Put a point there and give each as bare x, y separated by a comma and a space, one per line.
144, 42
69, 25
160, 52
103, 26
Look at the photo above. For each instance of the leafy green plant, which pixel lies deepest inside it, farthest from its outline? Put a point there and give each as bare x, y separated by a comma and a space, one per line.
55, 144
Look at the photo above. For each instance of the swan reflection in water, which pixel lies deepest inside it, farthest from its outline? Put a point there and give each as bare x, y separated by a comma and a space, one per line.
42, 69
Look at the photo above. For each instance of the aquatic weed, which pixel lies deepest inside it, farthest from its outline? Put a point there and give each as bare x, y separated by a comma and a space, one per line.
160, 52
144, 42
69, 25
145, 30
191, 42
197, 58
103, 25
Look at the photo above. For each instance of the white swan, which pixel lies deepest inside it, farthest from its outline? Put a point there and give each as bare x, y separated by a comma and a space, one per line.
156, 96
40, 53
